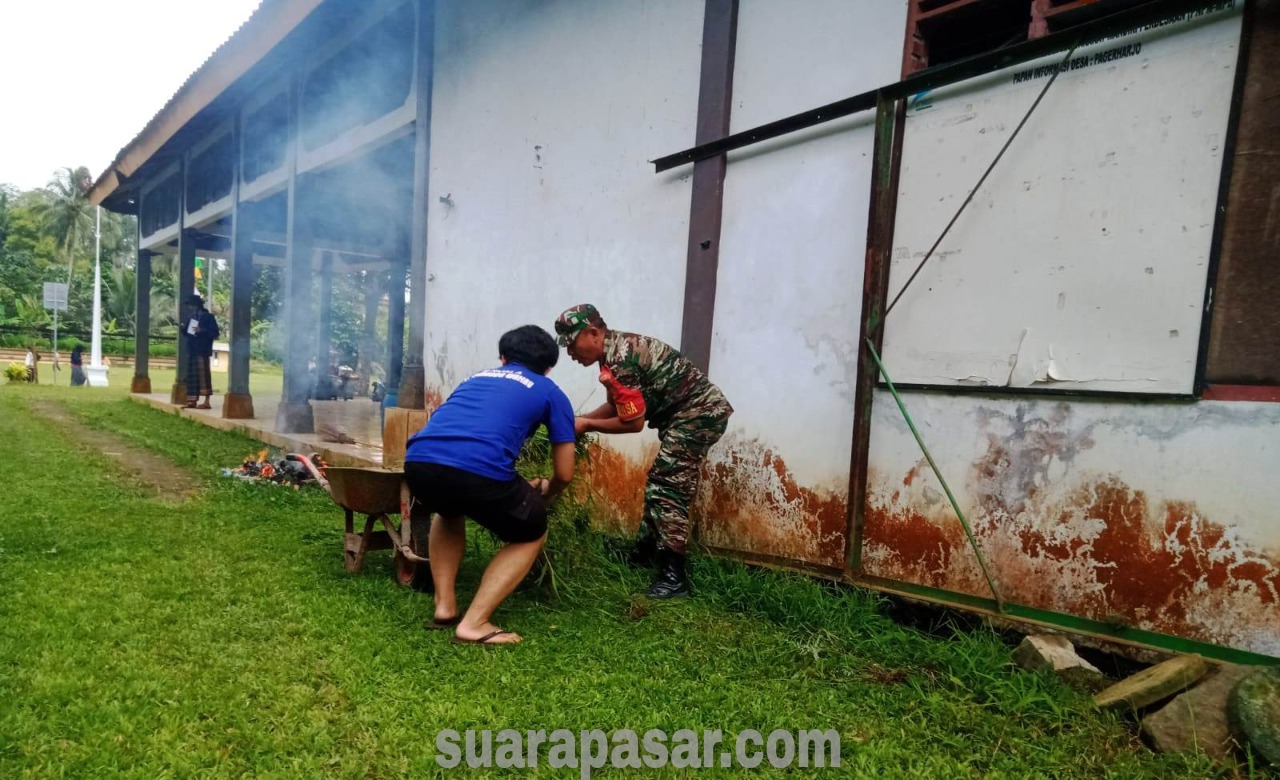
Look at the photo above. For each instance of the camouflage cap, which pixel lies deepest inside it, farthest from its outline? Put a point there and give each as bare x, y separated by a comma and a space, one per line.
572, 320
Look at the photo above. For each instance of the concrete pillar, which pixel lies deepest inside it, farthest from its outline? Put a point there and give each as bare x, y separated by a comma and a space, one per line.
374, 287
411, 395
395, 333
238, 404
142, 324
324, 335
294, 414
186, 286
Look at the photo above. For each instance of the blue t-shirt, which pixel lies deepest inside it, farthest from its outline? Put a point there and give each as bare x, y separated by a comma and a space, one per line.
486, 420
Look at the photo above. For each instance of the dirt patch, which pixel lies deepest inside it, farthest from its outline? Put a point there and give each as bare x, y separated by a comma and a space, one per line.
157, 474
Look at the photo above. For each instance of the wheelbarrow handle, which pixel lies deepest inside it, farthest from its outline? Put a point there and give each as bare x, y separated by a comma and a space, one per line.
400, 538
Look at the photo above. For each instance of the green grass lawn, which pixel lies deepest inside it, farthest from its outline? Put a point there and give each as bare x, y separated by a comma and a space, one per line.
218, 636
265, 380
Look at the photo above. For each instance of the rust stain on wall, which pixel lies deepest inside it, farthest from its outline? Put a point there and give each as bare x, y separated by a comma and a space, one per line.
1087, 544
920, 549
432, 398
751, 501
615, 486
748, 500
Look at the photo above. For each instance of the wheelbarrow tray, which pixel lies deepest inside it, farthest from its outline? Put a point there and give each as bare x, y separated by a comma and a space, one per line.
365, 491
377, 494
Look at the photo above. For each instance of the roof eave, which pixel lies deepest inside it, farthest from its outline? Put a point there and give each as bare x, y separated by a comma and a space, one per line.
263, 31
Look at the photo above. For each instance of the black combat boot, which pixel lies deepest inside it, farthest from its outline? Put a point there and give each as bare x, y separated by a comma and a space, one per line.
638, 555
670, 581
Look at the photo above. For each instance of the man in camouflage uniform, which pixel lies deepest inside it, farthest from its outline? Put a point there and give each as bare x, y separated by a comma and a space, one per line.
646, 379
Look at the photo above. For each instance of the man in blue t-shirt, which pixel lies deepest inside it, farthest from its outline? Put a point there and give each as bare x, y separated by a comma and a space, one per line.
463, 464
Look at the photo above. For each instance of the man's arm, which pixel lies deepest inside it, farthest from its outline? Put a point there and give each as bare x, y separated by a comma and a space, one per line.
601, 412
604, 419
562, 457
607, 425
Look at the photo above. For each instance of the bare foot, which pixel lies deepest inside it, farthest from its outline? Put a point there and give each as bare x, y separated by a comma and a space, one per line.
495, 635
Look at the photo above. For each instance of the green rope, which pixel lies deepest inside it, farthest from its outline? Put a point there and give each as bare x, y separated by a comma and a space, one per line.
968, 532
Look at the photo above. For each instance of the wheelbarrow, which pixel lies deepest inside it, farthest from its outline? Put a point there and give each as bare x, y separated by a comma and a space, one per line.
377, 494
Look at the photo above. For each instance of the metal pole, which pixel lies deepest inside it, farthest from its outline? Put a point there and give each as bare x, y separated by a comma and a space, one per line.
97, 374
54, 368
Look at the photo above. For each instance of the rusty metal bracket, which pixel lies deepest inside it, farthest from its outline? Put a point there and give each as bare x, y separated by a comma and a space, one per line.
940, 76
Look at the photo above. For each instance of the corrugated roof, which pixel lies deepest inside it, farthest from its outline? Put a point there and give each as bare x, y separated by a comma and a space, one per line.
269, 23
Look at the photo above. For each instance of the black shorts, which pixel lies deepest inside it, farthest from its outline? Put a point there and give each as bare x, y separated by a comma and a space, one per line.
512, 509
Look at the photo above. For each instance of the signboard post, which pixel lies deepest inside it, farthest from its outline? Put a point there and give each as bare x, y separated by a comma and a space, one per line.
55, 298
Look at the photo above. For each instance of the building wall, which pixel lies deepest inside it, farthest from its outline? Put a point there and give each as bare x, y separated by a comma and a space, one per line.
1094, 235
789, 296
549, 200
541, 195
1161, 516
1155, 514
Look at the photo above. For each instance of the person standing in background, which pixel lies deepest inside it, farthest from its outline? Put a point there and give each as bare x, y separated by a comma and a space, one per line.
200, 331
77, 365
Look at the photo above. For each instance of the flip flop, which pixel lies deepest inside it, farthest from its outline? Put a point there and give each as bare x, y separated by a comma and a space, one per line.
204, 406
443, 625
484, 640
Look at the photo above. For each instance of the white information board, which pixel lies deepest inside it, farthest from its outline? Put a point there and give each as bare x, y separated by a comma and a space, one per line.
55, 296
1082, 262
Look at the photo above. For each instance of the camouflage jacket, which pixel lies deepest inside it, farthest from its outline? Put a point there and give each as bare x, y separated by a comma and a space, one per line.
670, 388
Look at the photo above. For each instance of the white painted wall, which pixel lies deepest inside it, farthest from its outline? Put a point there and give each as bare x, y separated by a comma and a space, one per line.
1082, 261
790, 278
543, 118
794, 56
1043, 481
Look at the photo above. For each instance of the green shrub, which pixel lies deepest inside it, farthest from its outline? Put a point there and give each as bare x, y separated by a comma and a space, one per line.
15, 372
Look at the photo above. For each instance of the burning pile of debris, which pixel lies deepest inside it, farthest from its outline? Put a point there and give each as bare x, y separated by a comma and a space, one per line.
292, 468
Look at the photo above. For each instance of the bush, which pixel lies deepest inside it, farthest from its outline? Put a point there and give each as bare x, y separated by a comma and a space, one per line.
16, 372
111, 345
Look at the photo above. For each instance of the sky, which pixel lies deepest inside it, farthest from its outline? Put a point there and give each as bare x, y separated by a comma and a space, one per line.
80, 78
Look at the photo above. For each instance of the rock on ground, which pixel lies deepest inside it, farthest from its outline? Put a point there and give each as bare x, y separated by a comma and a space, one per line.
1055, 652
1153, 683
1253, 710
1197, 719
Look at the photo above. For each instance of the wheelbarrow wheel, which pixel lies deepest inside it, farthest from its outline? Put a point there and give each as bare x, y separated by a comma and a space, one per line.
412, 573
406, 570
421, 581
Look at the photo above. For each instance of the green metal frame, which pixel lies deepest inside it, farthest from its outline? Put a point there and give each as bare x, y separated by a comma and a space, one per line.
880, 239
1066, 622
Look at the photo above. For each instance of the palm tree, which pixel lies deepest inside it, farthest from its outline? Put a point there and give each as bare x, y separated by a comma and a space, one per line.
30, 315
65, 211
118, 302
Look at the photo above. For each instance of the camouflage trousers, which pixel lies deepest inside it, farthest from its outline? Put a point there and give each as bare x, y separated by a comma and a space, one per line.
673, 479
